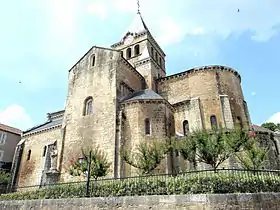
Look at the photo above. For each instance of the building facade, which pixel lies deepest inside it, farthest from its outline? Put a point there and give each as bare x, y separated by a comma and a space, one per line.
121, 96
9, 138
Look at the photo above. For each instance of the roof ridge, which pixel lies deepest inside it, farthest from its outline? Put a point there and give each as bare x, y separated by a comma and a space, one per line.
10, 129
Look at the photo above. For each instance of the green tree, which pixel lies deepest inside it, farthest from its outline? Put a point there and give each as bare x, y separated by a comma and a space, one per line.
271, 126
211, 147
253, 156
146, 157
99, 166
187, 148
237, 139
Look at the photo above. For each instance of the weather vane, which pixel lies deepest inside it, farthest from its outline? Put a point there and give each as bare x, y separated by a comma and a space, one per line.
138, 4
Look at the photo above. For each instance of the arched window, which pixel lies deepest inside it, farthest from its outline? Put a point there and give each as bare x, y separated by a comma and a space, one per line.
186, 127
160, 62
45, 150
147, 126
152, 52
29, 155
239, 122
136, 50
88, 106
128, 53
214, 124
92, 60
156, 57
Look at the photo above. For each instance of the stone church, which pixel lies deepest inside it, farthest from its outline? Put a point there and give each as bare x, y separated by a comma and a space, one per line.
121, 95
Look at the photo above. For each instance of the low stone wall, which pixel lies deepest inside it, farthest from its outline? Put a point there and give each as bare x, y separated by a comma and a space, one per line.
269, 201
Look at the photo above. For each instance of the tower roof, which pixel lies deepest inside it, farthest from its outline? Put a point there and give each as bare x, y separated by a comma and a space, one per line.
136, 29
137, 25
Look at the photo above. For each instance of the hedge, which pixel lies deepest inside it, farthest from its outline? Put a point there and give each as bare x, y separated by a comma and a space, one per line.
5, 178
181, 184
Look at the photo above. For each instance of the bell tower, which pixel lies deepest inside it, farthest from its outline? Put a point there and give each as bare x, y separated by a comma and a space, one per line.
142, 51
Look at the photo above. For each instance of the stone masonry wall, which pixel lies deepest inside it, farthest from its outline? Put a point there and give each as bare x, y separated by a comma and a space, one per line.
189, 110
230, 85
30, 171
226, 112
134, 127
258, 201
130, 77
200, 84
206, 83
98, 128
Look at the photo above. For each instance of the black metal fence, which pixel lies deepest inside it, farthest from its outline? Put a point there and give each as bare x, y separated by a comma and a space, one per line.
202, 181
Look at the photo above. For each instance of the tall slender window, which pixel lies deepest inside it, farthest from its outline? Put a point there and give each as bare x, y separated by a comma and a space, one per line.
147, 126
28, 154
160, 62
186, 127
152, 52
45, 150
128, 53
93, 60
136, 50
214, 124
122, 53
88, 106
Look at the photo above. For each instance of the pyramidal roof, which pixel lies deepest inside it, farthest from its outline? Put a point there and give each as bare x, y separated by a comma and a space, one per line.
137, 26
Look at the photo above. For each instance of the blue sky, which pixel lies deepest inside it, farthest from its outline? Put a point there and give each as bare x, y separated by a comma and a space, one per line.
41, 40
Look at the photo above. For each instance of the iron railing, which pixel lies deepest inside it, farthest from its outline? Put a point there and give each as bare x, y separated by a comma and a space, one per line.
199, 181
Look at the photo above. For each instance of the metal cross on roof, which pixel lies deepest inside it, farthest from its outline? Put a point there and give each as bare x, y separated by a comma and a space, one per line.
138, 4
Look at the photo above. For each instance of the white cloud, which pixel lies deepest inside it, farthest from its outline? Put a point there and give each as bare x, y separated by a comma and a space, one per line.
15, 116
213, 17
253, 93
98, 8
61, 28
125, 5
170, 32
275, 118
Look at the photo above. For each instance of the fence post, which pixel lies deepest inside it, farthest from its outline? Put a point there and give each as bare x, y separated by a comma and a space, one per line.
88, 175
